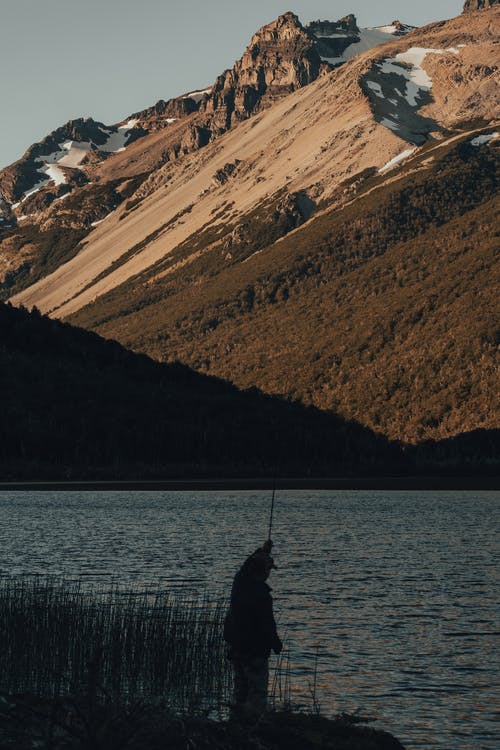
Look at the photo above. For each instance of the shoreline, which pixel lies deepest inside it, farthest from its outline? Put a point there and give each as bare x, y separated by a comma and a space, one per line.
400, 483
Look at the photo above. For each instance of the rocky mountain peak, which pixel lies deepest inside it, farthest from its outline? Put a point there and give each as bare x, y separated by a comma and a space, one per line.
280, 58
472, 5
161, 114
286, 26
59, 159
332, 38
349, 23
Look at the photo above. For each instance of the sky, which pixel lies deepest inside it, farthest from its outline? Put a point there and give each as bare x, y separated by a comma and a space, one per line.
63, 59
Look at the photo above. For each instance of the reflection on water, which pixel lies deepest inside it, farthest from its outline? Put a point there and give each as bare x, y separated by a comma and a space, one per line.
393, 592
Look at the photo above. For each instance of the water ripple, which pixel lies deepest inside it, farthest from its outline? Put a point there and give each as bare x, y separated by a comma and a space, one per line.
394, 594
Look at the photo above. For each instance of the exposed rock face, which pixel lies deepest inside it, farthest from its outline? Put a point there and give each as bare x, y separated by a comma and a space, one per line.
334, 37
349, 23
472, 5
226, 172
25, 173
195, 137
81, 129
401, 28
158, 116
280, 58
345, 25
17, 178
5, 213
290, 211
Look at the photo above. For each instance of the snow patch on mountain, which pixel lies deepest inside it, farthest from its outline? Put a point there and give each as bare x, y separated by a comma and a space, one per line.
117, 139
54, 173
99, 221
332, 36
396, 160
49, 167
334, 60
482, 140
376, 88
36, 187
71, 153
408, 65
396, 29
388, 123
398, 87
76, 151
197, 96
367, 39
391, 29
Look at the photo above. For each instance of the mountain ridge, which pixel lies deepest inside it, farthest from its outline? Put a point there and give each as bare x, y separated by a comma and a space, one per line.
369, 245
353, 132
324, 242
64, 417
281, 57
473, 5
64, 420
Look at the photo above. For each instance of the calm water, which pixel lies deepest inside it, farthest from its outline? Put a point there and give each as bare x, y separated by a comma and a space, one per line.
396, 592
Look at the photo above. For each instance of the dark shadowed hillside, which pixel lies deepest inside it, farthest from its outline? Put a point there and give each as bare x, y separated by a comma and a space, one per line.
77, 406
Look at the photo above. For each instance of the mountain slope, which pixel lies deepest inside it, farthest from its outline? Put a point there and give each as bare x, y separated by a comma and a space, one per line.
76, 406
308, 144
368, 310
330, 248
282, 57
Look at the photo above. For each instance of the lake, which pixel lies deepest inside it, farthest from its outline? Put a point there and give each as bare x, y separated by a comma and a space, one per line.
393, 594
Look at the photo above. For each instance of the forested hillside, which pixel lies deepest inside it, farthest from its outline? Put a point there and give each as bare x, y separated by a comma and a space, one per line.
77, 406
383, 310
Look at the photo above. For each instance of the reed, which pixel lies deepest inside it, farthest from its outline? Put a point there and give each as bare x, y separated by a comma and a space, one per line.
58, 638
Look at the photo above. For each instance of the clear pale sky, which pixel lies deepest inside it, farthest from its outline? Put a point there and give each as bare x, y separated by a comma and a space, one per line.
62, 59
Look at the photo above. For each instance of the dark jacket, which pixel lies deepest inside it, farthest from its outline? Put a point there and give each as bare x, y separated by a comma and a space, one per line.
250, 628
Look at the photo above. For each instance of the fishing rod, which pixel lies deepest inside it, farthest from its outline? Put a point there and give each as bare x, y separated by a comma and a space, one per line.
272, 505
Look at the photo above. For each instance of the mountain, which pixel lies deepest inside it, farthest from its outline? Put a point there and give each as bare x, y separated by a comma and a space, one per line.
58, 158
473, 5
366, 310
340, 41
98, 167
76, 406
321, 231
303, 143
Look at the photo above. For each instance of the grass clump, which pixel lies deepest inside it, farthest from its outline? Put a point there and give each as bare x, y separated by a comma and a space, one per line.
93, 669
59, 638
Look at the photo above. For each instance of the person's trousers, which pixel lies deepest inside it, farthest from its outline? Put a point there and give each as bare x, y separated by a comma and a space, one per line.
251, 676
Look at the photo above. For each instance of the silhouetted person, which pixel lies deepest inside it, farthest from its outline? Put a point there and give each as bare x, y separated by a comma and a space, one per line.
250, 631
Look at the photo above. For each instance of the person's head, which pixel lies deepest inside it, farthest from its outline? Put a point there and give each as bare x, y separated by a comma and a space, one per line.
259, 565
